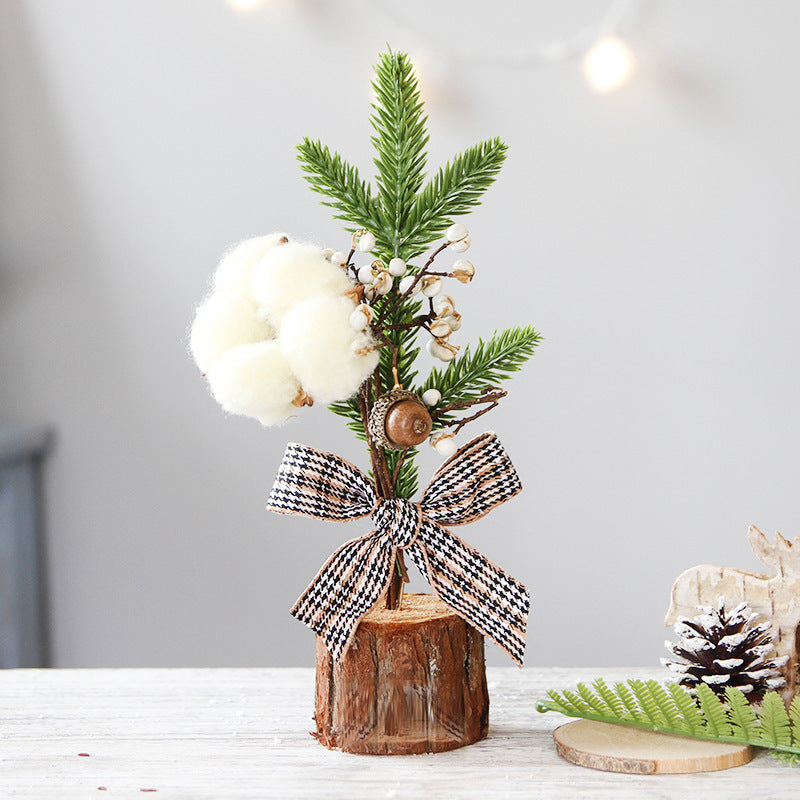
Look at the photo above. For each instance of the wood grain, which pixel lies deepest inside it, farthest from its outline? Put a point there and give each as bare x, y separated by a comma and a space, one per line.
243, 734
616, 748
412, 681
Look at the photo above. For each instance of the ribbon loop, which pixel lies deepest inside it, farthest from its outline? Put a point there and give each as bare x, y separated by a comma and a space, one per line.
468, 485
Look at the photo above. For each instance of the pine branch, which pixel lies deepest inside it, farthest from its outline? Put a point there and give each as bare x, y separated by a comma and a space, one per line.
331, 176
455, 189
671, 709
400, 141
467, 376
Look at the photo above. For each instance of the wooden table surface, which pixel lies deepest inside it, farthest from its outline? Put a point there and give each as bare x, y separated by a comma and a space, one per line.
243, 733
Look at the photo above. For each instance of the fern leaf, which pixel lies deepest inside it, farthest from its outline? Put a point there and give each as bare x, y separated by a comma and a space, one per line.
629, 701
686, 705
794, 716
667, 706
648, 704
775, 727
612, 700
594, 701
714, 712
741, 715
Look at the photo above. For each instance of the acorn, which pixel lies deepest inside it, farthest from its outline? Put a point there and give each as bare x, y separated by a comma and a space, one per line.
399, 420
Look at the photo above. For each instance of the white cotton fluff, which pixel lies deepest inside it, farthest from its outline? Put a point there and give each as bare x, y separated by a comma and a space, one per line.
318, 341
254, 380
235, 271
289, 274
223, 321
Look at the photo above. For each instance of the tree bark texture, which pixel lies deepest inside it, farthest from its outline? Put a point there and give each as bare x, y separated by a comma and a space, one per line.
412, 681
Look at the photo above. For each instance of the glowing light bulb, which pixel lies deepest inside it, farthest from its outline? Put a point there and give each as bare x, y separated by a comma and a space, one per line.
244, 5
608, 64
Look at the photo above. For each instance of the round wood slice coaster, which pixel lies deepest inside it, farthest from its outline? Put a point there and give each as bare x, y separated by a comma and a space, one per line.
619, 748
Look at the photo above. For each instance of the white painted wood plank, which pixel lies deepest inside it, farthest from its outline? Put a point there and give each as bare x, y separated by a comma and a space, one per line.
243, 733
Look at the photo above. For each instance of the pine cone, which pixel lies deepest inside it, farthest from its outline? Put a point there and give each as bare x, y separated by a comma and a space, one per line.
721, 649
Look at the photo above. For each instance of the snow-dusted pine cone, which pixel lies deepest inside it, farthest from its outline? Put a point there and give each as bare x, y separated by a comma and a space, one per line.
726, 648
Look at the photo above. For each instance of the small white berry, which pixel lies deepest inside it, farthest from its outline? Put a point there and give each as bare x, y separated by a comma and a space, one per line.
339, 259
431, 397
444, 305
440, 349
397, 267
462, 245
366, 274
431, 285
383, 282
327, 253
444, 444
439, 328
406, 284
463, 270
361, 317
455, 233
366, 243
454, 321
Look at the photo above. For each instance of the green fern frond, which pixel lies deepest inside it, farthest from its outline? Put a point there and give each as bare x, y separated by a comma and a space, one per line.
743, 719
351, 411
593, 700
611, 700
671, 709
691, 717
713, 711
773, 726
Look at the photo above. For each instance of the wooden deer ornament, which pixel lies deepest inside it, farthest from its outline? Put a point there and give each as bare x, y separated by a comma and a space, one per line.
776, 597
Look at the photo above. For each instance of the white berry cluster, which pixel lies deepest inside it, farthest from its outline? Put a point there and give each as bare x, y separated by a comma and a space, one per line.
274, 334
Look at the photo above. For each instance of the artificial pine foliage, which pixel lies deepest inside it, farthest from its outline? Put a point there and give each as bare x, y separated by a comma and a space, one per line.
669, 708
722, 649
407, 215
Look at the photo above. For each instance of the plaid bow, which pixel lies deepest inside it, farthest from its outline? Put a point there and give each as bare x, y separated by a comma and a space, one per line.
468, 485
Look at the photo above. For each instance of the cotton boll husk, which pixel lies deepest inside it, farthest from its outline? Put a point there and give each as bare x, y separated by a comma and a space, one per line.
318, 341
223, 321
235, 271
254, 380
292, 273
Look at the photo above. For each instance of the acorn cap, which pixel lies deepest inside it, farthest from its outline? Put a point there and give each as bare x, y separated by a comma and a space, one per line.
399, 420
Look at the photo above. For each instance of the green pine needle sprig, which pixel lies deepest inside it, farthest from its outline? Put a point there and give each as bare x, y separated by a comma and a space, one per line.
488, 364
669, 708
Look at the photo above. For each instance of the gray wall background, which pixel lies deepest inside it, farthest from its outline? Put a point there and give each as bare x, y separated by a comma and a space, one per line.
651, 235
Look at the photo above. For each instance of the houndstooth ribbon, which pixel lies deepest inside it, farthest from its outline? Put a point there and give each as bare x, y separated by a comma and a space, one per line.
468, 485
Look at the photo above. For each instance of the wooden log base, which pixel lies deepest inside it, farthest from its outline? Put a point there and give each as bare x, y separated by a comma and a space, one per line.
618, 748
412, 681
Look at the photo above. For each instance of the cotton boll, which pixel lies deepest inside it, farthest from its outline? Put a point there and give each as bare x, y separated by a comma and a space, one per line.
235, 271
223, 321
254, 380
329, 357
290, 274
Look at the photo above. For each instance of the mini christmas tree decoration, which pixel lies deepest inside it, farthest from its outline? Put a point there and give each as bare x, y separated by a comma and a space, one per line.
289, 325
775, 597
726, 648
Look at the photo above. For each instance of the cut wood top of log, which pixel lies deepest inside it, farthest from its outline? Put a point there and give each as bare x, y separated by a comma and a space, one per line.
416, 608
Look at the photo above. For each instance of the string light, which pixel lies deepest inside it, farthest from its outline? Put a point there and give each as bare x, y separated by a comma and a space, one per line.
244, 5
608, 62
607, 65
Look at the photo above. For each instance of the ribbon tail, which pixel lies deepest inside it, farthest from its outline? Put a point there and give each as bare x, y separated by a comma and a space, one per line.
349, 584
487, 597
